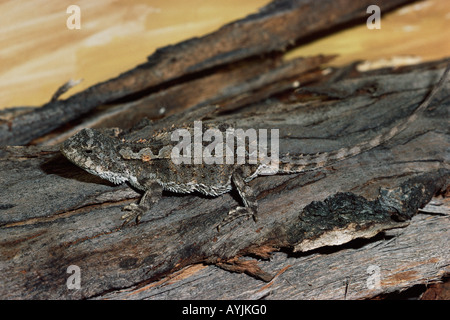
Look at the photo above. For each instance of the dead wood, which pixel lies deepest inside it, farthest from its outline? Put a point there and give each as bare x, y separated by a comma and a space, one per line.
393, 261
55, 215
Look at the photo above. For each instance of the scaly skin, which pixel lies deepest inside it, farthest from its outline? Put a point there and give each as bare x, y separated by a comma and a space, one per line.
148, 166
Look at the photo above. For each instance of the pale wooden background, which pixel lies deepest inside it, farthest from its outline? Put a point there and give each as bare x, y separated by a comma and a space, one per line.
38, 53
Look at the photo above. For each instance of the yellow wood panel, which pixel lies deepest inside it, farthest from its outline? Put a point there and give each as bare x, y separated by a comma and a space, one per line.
413, 33
38, 52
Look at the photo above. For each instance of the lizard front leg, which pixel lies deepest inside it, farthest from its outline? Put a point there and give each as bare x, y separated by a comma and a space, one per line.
151, 196
248, 197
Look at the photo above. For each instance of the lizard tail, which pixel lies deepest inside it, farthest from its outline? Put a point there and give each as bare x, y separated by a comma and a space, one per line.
308, 162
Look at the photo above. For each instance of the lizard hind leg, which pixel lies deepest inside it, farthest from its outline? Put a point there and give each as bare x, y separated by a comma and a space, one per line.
247, 194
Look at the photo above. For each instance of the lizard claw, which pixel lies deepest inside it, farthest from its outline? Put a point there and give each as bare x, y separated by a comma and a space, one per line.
135, 212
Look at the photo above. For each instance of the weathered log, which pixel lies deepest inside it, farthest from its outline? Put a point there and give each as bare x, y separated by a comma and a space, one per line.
54, 215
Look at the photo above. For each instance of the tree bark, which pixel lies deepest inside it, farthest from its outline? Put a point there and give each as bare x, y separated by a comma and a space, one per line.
330, 233
55, 215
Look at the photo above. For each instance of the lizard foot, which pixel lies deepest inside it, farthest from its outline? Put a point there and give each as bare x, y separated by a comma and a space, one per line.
237, 213
136, 212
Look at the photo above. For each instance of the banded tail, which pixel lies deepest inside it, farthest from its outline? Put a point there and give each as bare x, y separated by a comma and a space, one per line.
310, 162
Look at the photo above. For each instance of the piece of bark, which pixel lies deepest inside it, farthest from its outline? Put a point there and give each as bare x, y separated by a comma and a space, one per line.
55, 215
437, 291
279, 25
246, 83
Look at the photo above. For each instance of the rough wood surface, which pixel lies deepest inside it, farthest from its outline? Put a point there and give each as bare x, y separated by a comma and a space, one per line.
391, 262
275, 28
54, 215
238, 84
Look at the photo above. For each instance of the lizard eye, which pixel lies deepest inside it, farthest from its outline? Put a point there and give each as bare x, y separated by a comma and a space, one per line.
88, 151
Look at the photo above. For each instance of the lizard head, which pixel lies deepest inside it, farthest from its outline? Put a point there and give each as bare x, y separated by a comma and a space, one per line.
96, 153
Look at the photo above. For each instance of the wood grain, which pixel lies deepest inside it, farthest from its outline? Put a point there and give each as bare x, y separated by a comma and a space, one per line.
320, 234
329, 273
39, 53
54, 215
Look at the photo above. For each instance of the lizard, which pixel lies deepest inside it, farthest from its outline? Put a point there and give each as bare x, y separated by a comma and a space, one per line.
147, 165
